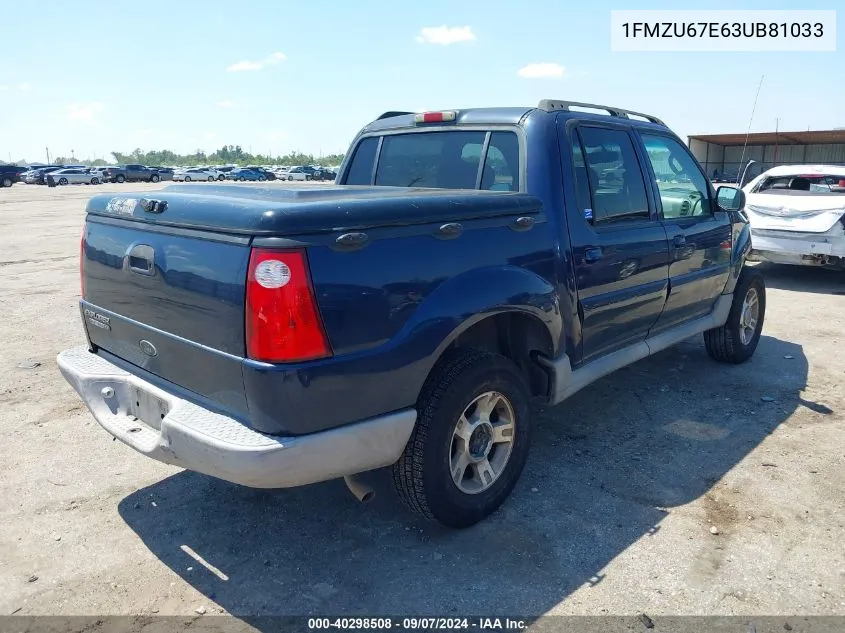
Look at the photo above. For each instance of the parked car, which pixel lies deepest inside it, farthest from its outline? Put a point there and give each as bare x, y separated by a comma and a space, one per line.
797, 215
164, 173
522, 275
298, 173
38, 176
268, 175
136, 173
75, 176
195, 173
242, 173
323, 173
10, 174
215, 171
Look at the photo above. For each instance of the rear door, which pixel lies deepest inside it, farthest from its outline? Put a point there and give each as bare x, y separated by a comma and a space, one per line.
699, 233
619, 246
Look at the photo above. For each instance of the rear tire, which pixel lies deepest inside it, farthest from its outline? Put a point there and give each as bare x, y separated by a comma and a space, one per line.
62, 181
121, 179
221, 177
737, 339
451, 470
7, 182
155, 178
94, 181
211, 179
187, 179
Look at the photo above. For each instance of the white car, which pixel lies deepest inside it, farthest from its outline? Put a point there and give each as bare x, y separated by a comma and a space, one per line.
797, 215
196, 174
218, 175
297, 173
76, 176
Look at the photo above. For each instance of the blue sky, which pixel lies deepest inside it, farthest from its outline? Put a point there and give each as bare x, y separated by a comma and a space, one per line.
277, 76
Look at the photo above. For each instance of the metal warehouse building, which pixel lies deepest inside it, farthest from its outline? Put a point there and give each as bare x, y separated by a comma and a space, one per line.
728, 154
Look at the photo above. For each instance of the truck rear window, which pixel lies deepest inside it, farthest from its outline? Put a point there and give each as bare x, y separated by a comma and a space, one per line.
441, 160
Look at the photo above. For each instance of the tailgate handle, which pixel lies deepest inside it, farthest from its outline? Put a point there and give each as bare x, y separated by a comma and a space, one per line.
141, 259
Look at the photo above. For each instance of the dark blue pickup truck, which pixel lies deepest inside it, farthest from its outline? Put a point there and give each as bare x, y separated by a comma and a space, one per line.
465, 263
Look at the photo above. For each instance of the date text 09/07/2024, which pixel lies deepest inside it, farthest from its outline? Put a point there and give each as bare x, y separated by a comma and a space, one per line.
417, 623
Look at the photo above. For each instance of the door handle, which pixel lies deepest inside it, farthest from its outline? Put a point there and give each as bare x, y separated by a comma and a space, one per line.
593, 254
679, 241
141, 259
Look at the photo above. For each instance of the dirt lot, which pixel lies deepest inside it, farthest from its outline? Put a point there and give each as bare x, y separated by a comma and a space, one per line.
613, 514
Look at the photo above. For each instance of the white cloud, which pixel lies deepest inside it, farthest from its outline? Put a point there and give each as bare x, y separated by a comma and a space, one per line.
445, 35
545, 70
84, 112
225, 104
270, 60
21, 88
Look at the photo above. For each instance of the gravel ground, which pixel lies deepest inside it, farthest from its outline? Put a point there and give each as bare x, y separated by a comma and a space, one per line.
675, 486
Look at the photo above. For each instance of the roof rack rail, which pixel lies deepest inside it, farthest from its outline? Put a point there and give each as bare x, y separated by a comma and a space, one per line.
391, 113
555, 104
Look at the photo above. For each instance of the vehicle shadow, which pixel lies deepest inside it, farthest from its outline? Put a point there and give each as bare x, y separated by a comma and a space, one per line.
604, 466
803, 278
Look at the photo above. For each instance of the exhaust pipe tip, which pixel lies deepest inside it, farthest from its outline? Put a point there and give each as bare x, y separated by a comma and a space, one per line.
362, 491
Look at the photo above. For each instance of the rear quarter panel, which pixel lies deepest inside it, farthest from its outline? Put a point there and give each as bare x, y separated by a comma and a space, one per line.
389, 310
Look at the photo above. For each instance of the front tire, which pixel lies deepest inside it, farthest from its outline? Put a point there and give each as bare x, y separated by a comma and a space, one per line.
211, 179
7, 182
62, 181
95, 181
737, 339
221, 177
121, 179
155, 178
471, 439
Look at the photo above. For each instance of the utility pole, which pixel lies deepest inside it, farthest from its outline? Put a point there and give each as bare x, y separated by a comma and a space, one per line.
777, 138
48, 154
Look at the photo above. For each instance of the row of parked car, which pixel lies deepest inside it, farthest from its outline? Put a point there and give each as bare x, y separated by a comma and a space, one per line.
80, 174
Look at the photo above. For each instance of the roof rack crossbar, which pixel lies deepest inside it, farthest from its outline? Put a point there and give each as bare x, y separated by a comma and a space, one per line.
556, 104
392, 113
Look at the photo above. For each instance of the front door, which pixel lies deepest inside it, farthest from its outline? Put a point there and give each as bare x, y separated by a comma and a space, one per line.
699, 233
619, 247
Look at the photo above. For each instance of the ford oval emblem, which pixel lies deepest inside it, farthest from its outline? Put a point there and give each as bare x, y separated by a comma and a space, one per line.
148, 348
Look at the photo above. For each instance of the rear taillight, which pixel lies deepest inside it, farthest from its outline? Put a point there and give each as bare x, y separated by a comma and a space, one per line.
82, 265
282, 321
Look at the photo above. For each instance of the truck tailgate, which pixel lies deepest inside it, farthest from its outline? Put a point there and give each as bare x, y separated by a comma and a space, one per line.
169, 301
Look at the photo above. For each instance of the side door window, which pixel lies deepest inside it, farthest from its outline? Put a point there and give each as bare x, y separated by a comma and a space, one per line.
608, 174
683, 189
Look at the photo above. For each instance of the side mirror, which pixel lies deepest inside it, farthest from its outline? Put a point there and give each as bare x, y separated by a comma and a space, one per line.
730, 198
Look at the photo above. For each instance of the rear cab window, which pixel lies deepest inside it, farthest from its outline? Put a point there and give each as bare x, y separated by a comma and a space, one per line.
440, 159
